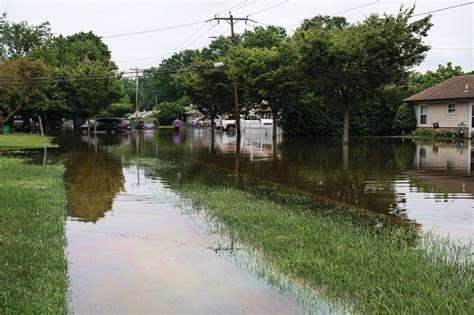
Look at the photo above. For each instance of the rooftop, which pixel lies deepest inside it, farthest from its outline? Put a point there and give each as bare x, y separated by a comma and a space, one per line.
459, 87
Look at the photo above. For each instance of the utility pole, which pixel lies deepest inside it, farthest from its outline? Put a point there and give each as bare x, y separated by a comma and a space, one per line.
232, 20
136, 94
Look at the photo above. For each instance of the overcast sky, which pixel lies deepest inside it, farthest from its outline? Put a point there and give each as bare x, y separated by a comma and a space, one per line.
451, 36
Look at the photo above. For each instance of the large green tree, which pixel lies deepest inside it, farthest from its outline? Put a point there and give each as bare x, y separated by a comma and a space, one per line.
157, 84
87, 82
348, 65
16, 91
19, 39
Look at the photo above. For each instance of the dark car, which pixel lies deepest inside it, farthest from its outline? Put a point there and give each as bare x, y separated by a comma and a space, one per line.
108, 125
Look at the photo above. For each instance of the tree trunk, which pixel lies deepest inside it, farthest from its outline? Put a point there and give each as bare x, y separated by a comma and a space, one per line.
274, 135
345, 136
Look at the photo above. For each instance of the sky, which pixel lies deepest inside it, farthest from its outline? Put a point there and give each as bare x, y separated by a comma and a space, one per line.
451, 37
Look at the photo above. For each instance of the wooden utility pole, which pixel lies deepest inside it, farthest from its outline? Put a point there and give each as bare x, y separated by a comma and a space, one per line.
136, 94
232, 20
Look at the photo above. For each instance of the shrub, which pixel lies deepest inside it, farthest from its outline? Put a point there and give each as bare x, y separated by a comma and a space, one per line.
168, 111
405, 120
423, 133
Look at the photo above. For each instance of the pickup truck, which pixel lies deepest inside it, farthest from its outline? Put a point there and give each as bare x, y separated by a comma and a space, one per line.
248, 121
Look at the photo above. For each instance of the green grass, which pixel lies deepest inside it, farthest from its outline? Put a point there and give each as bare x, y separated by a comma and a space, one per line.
33, 277
23, 141
377, 266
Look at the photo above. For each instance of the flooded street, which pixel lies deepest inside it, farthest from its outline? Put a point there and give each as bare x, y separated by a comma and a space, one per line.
131, 247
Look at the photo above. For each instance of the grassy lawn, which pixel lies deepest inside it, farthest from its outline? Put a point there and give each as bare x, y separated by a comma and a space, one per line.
33, 277
23, 141
377, 266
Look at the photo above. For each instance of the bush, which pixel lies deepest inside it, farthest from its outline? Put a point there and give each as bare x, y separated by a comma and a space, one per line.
423, 133
168, 111
117, 110
405, 119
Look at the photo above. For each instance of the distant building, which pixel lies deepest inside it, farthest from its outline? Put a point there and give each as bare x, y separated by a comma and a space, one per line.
191, 115
447, 105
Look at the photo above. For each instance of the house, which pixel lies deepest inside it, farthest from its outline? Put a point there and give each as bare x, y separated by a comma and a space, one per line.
448, 105
191, 115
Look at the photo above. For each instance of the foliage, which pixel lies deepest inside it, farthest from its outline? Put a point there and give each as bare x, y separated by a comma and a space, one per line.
15, 94
19, 39
168, 111
157, 84
91, 83
423, 132
309, 116
419, 82
405, 120
33, 277
348, 64
117, 110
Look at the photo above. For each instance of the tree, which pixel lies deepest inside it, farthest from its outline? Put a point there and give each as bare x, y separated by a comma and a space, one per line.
157, 84
267, 77
405, 120
263, 37
168, 111
419, 82
348, 66
15, 89
19, 39
89, 81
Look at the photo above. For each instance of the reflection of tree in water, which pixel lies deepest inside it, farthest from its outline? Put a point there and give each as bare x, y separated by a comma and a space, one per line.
92, 182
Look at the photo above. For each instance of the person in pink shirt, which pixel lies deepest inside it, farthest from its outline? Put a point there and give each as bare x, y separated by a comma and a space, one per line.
176, 124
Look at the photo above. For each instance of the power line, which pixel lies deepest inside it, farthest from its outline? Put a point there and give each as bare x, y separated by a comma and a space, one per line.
352, 9
236, 7
99, 76
269, 8
444, 9
244, 6
453, 48
182, 43
153, 30
334, 14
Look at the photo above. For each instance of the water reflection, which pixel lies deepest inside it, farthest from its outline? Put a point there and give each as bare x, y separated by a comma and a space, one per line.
429, 183
93, 177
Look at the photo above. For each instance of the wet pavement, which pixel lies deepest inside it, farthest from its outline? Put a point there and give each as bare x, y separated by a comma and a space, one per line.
144, 257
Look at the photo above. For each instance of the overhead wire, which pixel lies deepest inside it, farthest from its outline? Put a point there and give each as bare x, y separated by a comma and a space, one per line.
154, 30
269, 8
341, 12
235, 7
444, 9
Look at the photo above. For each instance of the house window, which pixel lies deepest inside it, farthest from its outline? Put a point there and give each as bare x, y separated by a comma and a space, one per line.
452, 109
423, 115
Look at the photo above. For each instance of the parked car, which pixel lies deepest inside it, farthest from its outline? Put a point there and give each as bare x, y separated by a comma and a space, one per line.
108, 125
248, 121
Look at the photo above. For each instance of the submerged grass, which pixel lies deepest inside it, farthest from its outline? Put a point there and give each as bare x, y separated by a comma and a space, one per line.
33, 265
377, 266
23, 141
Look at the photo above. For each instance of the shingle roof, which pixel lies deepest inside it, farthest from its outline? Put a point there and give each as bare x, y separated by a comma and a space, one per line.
459, 87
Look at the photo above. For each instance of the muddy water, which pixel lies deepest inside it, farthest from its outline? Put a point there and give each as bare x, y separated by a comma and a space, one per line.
131, 249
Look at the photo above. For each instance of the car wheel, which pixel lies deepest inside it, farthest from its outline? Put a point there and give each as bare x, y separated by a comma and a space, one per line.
113, 131
84, 131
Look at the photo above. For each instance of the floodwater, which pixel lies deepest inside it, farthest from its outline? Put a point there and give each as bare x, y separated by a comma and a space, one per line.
132, 250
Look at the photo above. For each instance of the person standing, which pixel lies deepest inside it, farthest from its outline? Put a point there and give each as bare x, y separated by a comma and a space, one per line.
176, 124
